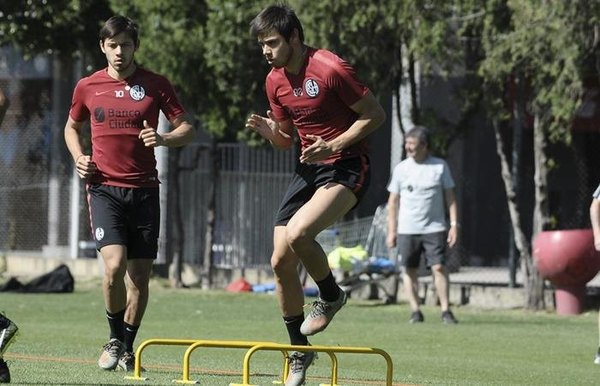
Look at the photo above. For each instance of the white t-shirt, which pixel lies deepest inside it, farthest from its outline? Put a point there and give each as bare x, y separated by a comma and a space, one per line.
596, 194
421, 188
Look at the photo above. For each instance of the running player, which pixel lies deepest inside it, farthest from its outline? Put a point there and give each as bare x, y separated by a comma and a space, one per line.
123, 102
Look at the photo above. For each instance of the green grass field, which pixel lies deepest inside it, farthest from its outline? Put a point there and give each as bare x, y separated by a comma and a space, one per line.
61, 337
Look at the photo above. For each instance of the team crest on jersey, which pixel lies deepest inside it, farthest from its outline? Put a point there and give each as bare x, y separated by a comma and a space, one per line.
311, 87
137, 92
99, 233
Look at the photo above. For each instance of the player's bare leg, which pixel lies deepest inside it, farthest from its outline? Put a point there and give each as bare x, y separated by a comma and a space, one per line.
115, 301
138, 279
287, 281
291, 301
328, 204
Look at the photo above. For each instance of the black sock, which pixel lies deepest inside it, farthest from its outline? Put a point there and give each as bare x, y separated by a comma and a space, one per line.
130, 333
293, 323
328, 288
115, 322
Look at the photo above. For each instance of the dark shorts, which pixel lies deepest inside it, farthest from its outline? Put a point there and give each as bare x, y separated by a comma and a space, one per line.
411, 247
354, 173
125, 216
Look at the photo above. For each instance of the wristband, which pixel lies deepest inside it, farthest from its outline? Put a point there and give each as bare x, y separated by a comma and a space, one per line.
454, 224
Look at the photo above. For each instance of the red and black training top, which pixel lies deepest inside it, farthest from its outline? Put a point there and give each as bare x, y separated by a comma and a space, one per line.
117, 110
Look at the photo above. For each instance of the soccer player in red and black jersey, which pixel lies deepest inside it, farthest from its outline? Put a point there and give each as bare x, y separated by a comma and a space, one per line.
320, 95
123, 102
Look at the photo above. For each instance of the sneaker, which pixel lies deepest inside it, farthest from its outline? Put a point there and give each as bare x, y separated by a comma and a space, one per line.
126, 361
448, 318
111, 352
321, 314
597, 358
4, 372
416, 317
7, 333
299, 362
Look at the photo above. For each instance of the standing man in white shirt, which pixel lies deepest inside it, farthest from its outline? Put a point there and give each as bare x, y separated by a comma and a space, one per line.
421, 196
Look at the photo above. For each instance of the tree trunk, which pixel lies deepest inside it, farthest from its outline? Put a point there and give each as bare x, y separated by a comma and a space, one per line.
521, 241
535, 283
210, 219
414, 92
179, 238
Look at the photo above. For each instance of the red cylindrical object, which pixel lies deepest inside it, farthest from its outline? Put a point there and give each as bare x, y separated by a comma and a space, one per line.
570, 300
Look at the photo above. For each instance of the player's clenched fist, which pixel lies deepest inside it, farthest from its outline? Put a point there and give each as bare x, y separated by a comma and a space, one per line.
84, 166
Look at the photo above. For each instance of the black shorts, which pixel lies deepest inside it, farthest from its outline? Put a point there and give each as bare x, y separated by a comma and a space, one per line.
411, 247
125, 216
354, 173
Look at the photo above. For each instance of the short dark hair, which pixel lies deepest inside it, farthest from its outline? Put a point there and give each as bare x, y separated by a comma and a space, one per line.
421, 133
280, 18
118, 24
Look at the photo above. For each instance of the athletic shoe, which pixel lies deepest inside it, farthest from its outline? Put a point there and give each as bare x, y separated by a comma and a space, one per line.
299, 362
111, 352
321, 314
416, 317
8, 330
126, 361
4, 372
597, 358
448, 318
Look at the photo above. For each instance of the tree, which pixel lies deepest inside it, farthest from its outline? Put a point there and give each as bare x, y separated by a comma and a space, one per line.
550, 45
66, 27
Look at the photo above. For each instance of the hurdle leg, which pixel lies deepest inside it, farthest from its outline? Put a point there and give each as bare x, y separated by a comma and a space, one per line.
137, 368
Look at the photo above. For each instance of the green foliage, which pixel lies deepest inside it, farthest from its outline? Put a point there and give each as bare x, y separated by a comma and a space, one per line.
62, 26
204, 48
549, 41
236, 65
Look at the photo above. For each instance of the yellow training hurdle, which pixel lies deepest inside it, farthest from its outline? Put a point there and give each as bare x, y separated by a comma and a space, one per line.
193, 345
327, 349
252, 347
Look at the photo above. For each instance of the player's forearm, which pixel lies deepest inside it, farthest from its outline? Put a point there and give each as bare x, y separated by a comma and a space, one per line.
180, 136
366, 123
282, 137
73, 142
278, 141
